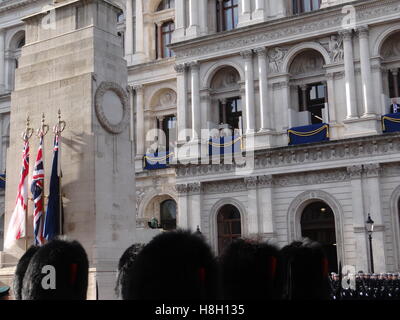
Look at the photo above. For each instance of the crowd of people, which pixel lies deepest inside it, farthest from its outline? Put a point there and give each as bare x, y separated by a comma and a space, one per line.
180, 265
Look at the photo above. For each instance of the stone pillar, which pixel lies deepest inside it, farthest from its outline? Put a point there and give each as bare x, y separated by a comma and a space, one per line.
377, 75
395, 73
180, 10
181, 101
359, 218
366, 74
265, 204
265, 109
223, 106
260, 12
182, 219
374, 207
303, 97
351, 99
140, 132
160, 53
330, 84
252, 207
203, 12
244, 12
2, 61
139, 32
195, 90
193, 30
129, 29
284, 87
249, 103
195, 206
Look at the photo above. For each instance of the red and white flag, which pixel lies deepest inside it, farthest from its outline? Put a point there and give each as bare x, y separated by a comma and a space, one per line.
16, 227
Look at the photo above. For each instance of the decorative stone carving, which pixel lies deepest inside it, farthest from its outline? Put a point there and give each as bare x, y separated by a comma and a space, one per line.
372, 169
181, 189
140, 194
336, 50
265, 181
276, 56
194, 187
227, 186
251, 182
391, 47
311, 178
103, 115
355, 171
168, 99
180, 68
307, 62
247, 54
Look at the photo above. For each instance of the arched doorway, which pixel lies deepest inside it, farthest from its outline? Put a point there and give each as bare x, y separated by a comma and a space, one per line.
229, 226
318, 224
168, 215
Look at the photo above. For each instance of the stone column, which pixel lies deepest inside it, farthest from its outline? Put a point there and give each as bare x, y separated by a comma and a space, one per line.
181, 101
195, 90
359, 218
249, 103
284, 87
193, 30
139, 32
377, 75
374, 207
351, 99
203, 11
395, 73
265, 205
2, 61
330, 84
366, 74
224, 119
129, 28
182, 219
244, 12
265, 109
159, 41
140, 132
195, 206
259, 13
252, 207
304, 97
180, 10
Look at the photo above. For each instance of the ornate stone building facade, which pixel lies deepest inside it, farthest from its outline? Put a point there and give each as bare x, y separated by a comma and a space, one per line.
262, 67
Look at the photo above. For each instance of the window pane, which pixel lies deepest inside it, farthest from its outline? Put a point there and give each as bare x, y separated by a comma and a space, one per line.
315, 4
307, 5
321, 91
313, 93
228, 19
235, 16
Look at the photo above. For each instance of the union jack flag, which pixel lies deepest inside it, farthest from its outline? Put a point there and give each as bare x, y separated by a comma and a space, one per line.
17, 225
38, 197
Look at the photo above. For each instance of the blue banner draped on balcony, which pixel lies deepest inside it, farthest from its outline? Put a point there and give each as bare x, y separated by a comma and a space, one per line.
225, 145
2, 181
309, 134
391, 122
158, 160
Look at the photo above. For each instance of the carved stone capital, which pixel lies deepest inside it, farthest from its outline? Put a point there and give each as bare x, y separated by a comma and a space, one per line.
372, 170
194, 65
261, 52
251, 182
180, 68
247, 54
181, 189
194, 187
347, 34
265, 181
355, 171
363, 31
138, 88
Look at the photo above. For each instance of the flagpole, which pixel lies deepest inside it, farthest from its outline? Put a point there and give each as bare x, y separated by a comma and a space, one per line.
26, 135
58, 129
41, 133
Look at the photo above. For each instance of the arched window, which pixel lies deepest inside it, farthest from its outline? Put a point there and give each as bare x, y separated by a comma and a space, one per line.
318, 224
229, 226
168, 214
164, 38
227, 14
300, 6
166, 4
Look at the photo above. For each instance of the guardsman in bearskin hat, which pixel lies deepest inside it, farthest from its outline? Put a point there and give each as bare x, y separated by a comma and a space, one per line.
176, 265
20, 271
126, 262
305, 271
57, 271
248, 271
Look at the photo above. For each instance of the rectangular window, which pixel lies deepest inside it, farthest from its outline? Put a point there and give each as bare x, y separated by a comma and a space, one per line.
301, 6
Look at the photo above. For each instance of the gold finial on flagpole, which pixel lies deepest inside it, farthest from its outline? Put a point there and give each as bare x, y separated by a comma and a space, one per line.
27, 134
60, 126
44, 128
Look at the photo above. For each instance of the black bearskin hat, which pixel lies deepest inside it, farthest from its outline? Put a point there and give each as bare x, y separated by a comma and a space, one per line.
71, 266
248, 271
22, 265
304, 271
175, 265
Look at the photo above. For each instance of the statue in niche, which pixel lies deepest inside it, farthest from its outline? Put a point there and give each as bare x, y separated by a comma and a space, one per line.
276, 56
336, 48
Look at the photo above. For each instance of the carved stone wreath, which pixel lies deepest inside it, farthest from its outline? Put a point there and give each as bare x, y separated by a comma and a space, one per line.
99, 107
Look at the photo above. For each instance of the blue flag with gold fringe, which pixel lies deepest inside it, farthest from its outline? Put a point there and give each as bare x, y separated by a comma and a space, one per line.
157, 160
391, 122
2, 181
309, 134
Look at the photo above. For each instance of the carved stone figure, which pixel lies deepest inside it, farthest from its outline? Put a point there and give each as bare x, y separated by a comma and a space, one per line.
276, 56
336, 48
